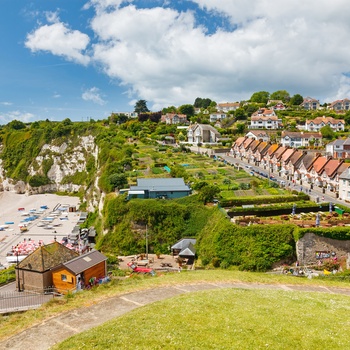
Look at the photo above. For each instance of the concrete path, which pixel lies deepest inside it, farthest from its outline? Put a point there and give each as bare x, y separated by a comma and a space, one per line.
59, 328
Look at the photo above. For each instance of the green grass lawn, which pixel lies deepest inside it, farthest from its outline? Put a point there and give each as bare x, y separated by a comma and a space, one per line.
227, 319
14, 323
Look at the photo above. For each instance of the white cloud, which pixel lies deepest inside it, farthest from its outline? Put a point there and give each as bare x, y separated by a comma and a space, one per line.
6, 103
59, 40
56, 95
25, 117
164, 56
167, 59
93, 95
52, 17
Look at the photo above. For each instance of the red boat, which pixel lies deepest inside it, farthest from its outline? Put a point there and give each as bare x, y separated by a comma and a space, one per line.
138, 269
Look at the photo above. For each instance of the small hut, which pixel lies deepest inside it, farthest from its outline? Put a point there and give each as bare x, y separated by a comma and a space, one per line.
34, 272
80, 272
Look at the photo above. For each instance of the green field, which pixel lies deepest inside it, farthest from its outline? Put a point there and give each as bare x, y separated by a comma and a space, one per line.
227, 319
213, 319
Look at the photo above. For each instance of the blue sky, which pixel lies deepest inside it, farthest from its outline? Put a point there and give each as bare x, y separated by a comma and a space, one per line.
85, 59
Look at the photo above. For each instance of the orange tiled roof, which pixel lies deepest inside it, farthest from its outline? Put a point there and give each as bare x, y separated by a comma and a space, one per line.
331, 166
325, 120
272, 149
239, 141
287, 154
279, 152
320, 163
247, 142
254, 145
309, 159
296, 157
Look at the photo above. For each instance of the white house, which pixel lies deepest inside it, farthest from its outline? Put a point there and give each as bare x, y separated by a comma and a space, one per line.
310, 103
265, 118
340, 105
213, 117
174, 118
228, 106
319, 122
344, 185
339, 148
202, 133
300, 139
258, 135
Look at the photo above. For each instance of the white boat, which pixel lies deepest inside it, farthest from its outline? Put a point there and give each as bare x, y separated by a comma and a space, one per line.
13, 259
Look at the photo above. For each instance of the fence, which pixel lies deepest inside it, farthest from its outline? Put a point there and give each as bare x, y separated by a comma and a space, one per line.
13, 301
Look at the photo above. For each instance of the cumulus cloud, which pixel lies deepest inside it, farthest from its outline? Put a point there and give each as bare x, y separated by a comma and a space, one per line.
94, 96
59, 40
25, 117
166, 55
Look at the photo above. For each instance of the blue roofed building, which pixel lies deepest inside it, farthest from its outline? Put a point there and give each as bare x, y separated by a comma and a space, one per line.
165, 188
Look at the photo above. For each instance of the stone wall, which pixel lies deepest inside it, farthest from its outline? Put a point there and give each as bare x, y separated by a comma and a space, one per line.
307, 247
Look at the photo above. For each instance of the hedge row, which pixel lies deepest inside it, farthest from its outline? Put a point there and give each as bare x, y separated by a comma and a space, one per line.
281, 209
262, 200
339, 233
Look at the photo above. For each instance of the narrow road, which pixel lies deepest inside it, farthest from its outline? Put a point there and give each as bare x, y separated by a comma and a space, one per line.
59, 328
315, 192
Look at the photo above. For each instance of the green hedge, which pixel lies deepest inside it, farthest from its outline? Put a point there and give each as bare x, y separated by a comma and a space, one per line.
340, 233
253, 248
274, 207
262, 200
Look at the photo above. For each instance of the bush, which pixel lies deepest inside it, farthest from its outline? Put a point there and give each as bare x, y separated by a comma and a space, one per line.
261, 200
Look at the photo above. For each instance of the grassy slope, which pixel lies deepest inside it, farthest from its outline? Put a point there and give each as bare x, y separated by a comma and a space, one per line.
227, 319
16, 323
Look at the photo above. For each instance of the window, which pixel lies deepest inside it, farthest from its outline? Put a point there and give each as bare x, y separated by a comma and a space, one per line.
64, 278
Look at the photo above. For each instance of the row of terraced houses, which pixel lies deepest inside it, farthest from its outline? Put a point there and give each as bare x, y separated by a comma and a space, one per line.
304, 168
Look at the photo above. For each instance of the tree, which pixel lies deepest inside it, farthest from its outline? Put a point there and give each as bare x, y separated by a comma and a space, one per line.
327, 132
280, 95
347, 117
16, 125
170, 109
119, 118
202, 102
250, 109
296, 100
227, 182
187, 109
260, 97
240, 127
118, 180
240, 114
141, 106
208, 193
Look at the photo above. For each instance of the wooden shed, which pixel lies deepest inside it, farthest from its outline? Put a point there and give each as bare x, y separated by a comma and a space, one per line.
34, 272
80, 272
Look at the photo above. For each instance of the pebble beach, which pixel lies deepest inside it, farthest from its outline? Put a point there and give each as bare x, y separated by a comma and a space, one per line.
13, 210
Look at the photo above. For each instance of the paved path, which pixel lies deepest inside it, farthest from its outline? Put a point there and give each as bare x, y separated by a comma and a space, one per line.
59, 328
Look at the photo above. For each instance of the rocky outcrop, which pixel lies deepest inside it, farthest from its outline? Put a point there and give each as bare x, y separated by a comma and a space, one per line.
310, 244
65, 159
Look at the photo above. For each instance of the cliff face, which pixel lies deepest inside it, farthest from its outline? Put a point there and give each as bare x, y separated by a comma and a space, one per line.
58, 162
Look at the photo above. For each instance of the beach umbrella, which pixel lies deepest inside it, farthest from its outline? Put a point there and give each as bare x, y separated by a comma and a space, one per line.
330, 207
318, 219
293, 209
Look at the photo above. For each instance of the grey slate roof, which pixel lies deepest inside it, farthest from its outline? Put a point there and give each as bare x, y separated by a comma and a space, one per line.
161, 184
345, 175
186, 246
84, 262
